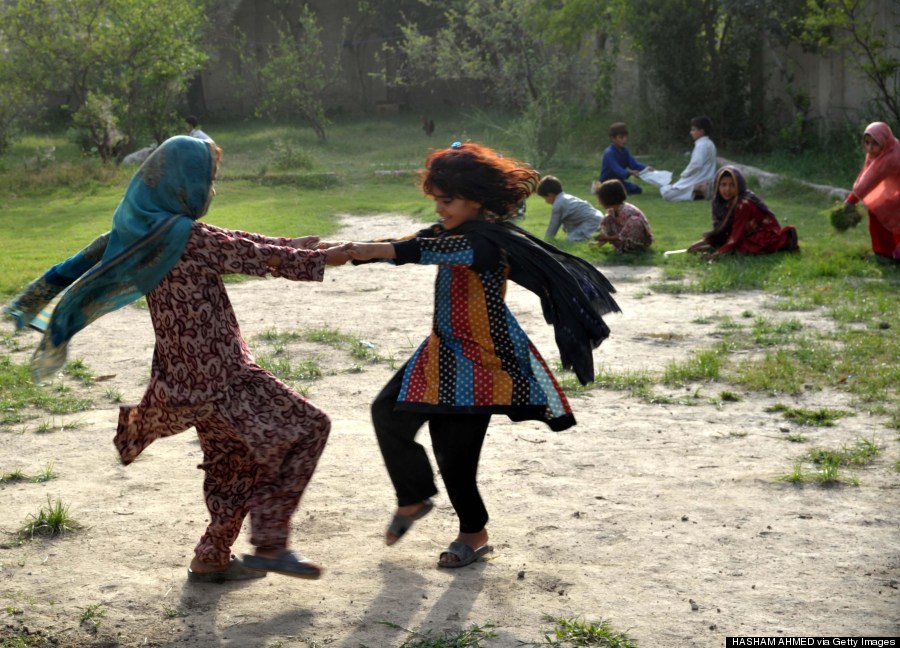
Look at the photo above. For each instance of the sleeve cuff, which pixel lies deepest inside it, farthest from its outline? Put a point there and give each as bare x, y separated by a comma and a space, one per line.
408, 251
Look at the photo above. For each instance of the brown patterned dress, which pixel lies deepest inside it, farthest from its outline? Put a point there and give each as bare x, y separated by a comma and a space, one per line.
261, 440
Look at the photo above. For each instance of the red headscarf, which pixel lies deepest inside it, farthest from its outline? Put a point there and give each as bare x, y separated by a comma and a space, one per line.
878, 184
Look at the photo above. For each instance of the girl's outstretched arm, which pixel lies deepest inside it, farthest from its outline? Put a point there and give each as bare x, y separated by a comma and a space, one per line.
368, 251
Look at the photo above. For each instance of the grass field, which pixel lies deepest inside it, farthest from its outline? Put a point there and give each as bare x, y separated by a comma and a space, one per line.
279, 180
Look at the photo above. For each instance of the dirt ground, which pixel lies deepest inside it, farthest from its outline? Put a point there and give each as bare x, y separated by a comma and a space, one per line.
667, 521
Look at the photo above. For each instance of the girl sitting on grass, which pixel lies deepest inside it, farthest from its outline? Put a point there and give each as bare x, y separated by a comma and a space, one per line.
742, 222
624, 227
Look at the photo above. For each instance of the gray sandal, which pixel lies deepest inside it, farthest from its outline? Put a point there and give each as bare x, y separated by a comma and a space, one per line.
400, 524
464, 553
287, 563
236, 572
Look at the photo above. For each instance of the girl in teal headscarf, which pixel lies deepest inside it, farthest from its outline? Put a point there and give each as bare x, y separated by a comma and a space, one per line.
151, 225
261, 440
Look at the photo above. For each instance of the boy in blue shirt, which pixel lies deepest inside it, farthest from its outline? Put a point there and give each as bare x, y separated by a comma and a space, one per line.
618, 163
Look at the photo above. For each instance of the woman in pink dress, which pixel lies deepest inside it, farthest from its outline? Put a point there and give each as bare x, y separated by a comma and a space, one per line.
878, 186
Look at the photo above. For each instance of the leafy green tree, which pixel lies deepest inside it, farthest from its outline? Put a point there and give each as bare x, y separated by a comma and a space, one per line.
704, 57
296, 73
116, 65
852, 26
505, 46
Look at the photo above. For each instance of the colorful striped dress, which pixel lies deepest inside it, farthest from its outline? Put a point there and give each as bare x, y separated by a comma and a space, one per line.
477, 358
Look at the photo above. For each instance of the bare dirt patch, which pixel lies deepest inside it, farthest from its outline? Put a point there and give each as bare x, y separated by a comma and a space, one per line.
666, 520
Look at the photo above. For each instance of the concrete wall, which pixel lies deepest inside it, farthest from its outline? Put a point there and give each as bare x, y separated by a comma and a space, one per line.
837, 91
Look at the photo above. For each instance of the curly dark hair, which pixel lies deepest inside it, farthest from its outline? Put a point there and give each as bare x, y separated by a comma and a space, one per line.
480, 174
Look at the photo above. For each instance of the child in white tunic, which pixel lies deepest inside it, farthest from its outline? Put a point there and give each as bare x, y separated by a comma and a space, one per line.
696, 181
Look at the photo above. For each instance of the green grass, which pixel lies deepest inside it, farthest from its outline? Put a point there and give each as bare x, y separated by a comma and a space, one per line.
49, 522
471, 637
829, 462
18, 395
92, 618
577, 632
18, 475
368, 166
825, 417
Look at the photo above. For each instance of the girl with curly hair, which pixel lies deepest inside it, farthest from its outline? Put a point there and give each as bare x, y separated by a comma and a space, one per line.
477, 360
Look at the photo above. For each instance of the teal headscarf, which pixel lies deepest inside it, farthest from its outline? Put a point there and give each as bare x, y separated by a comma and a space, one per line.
150, 228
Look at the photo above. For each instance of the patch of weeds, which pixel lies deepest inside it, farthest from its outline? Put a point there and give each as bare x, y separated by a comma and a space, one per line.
726, 323
703, 366
829, 463
45, 475
14, 610
825, 417
734, 434
78, 370
796, 476
284, 370
274, 336
173, 613
113, 395
92, 617
767, 334
360, 349
777, 373
13, 476
364, 351
466, 638
570, 384
10, 341
18, 476
51, 426
729, 397
796, 438
576, 632
861, 453
49, 522
287, 155
18, 393
630, 381
829, 471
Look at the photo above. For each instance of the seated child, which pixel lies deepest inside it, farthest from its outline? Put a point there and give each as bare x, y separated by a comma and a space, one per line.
618, 163
578, 218
742, 223
696, 181
625, 226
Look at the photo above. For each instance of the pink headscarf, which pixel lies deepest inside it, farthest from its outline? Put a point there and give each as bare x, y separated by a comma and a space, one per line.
878, 184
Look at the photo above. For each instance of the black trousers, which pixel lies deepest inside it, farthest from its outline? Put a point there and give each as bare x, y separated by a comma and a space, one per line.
456, 440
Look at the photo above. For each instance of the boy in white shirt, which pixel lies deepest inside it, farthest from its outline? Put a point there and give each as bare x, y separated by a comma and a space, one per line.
696, 181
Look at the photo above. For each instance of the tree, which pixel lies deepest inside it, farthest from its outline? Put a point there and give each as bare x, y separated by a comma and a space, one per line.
501, 44
850, 25
704, 57
296, 73
117, 65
